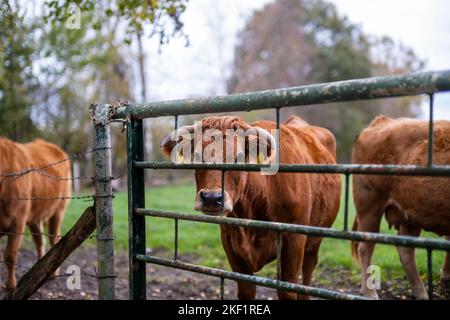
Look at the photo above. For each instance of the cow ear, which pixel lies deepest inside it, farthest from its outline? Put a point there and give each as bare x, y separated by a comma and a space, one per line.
265, 152
167, 145
260, 152
172, 139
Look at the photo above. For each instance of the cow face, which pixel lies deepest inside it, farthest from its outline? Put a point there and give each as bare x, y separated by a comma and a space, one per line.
219, 140
209, 191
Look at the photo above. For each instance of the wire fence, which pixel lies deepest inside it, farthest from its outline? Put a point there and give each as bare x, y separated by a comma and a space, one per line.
12, 177
64, 275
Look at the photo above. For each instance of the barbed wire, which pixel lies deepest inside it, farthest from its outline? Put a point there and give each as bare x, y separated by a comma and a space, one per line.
111, 112
13, 176
66, 275
53, 177
49, 235
40, 169
9, 177
89, 198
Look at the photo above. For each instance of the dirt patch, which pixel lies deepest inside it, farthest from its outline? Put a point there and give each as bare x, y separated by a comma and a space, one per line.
167, 283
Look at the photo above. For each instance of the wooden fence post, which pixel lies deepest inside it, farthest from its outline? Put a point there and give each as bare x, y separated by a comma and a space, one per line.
103, 201
46, 266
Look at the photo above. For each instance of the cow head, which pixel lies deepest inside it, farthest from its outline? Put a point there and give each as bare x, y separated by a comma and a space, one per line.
219, 140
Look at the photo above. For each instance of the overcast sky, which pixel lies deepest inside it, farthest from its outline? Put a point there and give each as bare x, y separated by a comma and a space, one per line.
212, 26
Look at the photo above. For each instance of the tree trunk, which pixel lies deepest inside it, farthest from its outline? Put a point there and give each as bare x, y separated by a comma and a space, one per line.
148, 134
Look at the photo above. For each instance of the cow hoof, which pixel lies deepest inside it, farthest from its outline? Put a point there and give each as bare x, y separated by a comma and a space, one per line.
373, 295
421, 296
9, 295
445, 283
420, 293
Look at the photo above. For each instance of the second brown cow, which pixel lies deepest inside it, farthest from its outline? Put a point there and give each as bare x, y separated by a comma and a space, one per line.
17, 207
409, 204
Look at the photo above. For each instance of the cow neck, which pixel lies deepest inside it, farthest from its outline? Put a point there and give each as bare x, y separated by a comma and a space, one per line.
3, 155
253, 200
7, 156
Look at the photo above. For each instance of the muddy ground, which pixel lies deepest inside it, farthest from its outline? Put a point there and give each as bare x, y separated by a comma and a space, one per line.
166, 283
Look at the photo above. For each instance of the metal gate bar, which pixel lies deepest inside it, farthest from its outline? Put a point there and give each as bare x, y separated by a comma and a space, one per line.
342, 91
382, 87
403, 241
261, 281
400, 170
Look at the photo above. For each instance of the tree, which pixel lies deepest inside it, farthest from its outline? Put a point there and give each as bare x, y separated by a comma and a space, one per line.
139, 19
300, 42
163, 17
17, 81
55, 61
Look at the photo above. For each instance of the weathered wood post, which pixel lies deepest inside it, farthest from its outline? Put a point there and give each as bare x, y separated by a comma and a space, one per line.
103, 201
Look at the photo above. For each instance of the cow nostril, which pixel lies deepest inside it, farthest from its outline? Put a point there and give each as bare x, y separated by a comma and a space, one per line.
211, 198
203, 195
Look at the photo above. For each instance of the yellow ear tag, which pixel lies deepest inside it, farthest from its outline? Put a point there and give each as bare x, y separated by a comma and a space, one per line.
180, 157
260, 159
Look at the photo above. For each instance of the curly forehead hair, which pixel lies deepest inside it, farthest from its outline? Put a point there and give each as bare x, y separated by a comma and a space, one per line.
224, 123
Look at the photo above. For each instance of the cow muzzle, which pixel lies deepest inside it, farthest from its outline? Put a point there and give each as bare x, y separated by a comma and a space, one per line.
210, 202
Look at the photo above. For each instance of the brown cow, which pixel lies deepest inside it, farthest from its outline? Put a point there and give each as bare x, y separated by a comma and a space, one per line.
410, 204
306, 199
16, 214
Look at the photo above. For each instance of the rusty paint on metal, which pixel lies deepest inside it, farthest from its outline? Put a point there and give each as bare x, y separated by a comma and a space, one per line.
306, 230
351, 90
402, 170
261, 281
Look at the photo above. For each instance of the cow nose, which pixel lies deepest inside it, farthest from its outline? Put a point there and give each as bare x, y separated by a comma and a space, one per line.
211, 198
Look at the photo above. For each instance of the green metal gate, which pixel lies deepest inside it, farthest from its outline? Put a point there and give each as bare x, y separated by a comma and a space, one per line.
428, 83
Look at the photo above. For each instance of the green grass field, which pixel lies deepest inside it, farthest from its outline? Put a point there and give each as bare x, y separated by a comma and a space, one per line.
204, 239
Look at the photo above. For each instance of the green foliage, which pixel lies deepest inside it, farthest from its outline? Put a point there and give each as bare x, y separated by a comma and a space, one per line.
50, 70
299, 42
342, 48
17, 81
136, 14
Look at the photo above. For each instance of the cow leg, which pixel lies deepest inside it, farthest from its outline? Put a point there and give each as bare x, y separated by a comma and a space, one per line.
246, 291
367, 223
369, 211
54, 232
310, 260
408, 259
292, 253
38, 238
445, 272
11, 251
54, 229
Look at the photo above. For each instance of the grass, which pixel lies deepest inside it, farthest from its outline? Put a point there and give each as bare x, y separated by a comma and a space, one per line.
204, 239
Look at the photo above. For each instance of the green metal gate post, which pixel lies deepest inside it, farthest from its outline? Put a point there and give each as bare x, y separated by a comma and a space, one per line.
103, 202
136, 199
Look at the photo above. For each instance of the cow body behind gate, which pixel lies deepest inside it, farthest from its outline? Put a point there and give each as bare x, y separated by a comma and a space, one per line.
16, 212
306, 199
410, 204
